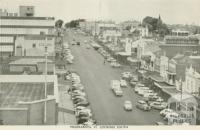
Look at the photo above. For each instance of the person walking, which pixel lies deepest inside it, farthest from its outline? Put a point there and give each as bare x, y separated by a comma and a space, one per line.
104, 61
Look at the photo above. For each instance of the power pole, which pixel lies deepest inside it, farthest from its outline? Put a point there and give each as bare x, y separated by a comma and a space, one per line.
45, 86
45, 78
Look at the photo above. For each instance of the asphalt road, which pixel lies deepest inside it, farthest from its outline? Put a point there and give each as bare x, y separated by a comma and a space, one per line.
95, 76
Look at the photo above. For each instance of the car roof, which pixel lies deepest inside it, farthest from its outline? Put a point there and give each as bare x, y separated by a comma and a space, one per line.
127, 101
141, 101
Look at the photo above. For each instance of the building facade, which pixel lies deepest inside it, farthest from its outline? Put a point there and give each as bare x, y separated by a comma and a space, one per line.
34, 45
180, 44
11, 27
192, 81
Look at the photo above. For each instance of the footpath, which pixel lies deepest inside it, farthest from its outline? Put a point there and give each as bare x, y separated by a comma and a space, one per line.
66, 114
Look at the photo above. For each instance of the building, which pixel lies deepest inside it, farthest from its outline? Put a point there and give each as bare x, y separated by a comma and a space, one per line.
34, 45
87, 26
11, 27
100, 27
192, 81
31, 66
145, 53
164, 66
126, 24
180, 44
26, 11
143, 31
179, 33
22, 96
110, 36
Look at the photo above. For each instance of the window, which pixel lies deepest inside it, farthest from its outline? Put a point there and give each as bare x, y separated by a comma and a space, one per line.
34, 45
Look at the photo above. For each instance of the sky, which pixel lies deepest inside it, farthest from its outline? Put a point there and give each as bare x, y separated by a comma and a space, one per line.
171, 11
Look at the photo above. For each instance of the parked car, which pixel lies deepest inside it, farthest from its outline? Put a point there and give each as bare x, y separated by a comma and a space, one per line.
84, 111
171, 116
80, 108
115, 84
160, 99
159, 123
149, 96
115, 65
84, 103
144, 91
164, 112
78, 43
90, 122
73, 43
128, 105
109, 59
118, 92
137, 89
158, 105
123, 83
153, 97
79, 101
82, 120
143, 105
126, 75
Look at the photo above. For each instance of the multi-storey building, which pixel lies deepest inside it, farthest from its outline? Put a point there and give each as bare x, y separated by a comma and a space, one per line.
180, 44
100, 27
192, 81
110, 35
12, 27
179, 33
87, 26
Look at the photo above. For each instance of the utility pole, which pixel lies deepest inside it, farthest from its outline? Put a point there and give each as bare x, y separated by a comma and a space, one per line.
45, 87
45, 78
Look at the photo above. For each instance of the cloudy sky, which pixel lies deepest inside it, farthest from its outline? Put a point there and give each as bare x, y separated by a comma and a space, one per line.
171, 11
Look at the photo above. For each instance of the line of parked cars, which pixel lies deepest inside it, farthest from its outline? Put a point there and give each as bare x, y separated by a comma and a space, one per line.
151, 97
67, 55
113, 62
81, 104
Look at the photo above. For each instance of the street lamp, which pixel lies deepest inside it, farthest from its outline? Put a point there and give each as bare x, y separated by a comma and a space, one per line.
45, 89
45, 76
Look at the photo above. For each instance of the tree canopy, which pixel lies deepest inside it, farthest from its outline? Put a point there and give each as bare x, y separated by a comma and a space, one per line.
74, 23
156, 26
59, 23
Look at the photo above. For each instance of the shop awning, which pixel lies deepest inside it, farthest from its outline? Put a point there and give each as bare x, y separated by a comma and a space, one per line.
154, 76
124, 54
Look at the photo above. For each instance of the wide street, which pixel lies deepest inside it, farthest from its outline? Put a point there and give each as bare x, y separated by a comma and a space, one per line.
107, 108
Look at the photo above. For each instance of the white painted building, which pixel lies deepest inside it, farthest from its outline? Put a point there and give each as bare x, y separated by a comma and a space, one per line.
192, 81
111, 35
13, 26
100, 27
164, 65
144, 31
34, 45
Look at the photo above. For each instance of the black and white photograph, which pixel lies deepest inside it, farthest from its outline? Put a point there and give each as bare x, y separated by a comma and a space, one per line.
99, 63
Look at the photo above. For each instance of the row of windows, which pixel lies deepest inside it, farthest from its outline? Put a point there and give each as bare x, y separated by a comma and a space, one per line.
6, 48
191, 86
24, 31
181, 41
28, 22
6, 39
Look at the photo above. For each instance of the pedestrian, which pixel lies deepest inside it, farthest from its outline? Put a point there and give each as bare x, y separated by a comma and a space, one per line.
68, 91
104, 62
